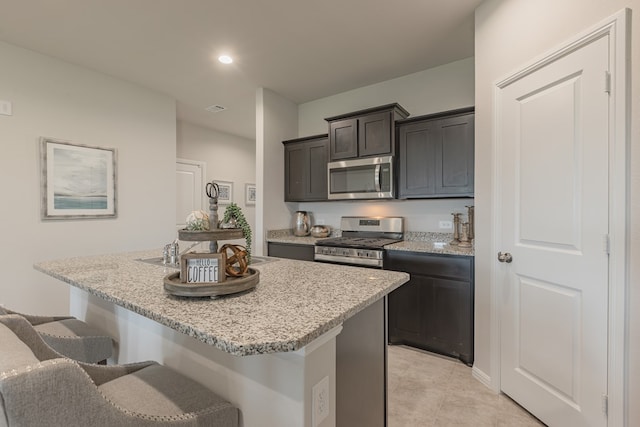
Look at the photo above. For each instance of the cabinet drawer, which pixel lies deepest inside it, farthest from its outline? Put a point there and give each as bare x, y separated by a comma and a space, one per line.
447, 266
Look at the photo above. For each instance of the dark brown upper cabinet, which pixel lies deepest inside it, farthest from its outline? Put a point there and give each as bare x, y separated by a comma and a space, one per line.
436, 155
364, 133
305, 168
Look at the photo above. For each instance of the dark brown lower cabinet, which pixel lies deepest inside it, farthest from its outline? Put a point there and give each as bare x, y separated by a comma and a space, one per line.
434, 309
290, 250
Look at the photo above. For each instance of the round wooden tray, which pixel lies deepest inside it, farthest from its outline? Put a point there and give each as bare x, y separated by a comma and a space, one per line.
231, 285
202, 236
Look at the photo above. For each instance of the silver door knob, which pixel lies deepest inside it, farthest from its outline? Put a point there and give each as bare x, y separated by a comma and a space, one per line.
505, 257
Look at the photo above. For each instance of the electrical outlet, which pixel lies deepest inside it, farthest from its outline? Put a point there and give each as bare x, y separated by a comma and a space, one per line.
445, 225
320, 402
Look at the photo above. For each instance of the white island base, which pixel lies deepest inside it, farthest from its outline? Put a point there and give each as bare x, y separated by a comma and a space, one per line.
270, 389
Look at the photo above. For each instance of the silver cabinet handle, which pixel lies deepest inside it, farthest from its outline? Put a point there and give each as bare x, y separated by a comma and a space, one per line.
505, 257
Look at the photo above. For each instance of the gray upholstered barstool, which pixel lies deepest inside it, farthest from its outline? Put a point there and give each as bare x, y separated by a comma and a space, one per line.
70, 336
39, 386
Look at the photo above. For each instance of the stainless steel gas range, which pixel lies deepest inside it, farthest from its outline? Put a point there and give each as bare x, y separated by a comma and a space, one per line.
362, 242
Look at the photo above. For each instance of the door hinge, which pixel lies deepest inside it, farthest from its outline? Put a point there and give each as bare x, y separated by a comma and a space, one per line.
605, 404
606, 244
607, 82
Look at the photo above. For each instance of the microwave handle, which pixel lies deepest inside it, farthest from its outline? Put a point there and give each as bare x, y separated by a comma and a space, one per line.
377, 177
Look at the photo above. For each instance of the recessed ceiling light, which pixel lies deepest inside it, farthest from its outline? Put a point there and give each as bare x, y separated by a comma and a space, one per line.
225, 59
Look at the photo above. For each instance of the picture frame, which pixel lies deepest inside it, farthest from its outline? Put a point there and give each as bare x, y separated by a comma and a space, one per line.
203, 267
77, 181
249, 194
225, 193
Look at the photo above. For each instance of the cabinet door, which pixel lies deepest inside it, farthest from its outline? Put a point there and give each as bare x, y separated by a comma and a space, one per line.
454, 168
406, 313
375, 135
417, 159
316, 181
447, 323
343, 139
295, 163
305, 170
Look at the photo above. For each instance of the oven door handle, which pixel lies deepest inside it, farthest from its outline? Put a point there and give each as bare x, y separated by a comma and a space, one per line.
376, 177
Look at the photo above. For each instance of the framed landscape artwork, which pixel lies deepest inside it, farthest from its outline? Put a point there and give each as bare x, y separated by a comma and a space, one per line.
250, 194
77, 181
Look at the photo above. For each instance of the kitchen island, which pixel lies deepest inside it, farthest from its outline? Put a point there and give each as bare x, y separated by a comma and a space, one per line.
263, 350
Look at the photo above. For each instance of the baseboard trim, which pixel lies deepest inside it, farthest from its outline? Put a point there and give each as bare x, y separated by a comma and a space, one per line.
481, 376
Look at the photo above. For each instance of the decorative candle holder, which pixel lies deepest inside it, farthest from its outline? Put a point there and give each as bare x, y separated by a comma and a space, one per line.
470, 210
456, 229
464, 240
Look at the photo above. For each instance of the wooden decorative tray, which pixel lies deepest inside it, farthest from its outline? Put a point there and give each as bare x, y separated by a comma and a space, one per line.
203, 236
231, 285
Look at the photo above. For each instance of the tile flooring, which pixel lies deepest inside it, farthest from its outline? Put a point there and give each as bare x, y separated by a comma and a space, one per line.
427, 390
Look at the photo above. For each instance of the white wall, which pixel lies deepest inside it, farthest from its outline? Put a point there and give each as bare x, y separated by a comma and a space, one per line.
510, 34
437, 89
276, 121
227, 158
59, 100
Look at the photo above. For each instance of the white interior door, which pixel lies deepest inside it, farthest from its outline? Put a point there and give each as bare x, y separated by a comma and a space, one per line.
553, 184
189, 189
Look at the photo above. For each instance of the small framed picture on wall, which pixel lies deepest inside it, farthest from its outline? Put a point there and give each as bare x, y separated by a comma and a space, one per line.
225, 192
250, 194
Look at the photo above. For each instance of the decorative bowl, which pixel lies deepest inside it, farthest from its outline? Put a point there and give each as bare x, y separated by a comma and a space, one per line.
320, 231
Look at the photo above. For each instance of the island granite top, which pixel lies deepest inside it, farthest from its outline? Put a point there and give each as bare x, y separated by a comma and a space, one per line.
294, 303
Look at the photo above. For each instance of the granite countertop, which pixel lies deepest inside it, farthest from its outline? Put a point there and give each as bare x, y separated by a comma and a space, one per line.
427, 242
415, 241
286, 236
294, 303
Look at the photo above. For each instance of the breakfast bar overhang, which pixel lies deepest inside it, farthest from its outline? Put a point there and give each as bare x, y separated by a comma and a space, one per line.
263, 350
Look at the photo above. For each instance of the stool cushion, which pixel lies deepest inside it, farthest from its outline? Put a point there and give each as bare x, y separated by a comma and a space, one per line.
161, 391
14, 353
38, 387
76, 340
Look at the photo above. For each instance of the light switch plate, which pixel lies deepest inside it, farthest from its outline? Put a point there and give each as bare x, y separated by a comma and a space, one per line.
6, 109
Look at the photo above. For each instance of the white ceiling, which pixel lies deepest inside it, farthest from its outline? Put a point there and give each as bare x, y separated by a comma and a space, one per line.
301, 49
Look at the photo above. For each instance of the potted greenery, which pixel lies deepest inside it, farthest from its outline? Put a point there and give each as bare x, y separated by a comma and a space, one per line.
233, 212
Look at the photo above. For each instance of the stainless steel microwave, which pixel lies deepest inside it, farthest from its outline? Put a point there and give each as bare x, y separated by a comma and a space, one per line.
369, 178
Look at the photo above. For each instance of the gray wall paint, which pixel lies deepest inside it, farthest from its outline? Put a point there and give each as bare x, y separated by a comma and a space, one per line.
59, 100
276, 121
227, 158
